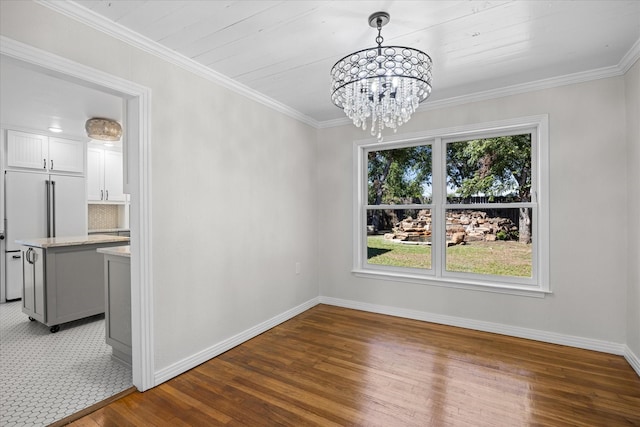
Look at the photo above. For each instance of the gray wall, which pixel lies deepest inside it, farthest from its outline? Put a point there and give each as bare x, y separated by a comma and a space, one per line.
219, 158
233, 200
632, 90
588, 242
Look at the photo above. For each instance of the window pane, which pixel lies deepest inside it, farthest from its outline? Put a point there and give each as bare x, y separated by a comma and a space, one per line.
402, 237
399, 176
489, 170
489, 241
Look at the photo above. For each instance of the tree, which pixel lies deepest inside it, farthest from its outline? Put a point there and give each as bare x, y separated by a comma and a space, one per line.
397, 176
494, 167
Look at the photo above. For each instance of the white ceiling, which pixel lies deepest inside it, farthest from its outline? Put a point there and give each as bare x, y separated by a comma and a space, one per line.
33, 100
284, 49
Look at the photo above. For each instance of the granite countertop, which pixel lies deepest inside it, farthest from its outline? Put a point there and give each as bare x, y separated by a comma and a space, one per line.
124, 251
53, 242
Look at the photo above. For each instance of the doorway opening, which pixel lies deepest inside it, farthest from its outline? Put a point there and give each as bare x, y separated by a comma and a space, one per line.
137, 177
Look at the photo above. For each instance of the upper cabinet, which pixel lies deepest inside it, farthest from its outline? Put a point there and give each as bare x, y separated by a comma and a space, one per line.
27, 150
104, 176
66, 155
113, 176
95, 174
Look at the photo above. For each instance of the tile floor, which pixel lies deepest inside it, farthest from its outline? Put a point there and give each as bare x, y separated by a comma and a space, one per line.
45, 377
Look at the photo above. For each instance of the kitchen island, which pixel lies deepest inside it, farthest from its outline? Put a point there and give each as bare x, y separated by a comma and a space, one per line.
117, 291
64, 277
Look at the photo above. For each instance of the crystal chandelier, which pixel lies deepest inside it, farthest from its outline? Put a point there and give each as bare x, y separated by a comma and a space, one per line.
383, 84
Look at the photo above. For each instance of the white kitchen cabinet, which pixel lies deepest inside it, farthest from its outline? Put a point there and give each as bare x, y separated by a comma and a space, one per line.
26, 150
95, 174
48, 154
113, 177
104, 176
66, 155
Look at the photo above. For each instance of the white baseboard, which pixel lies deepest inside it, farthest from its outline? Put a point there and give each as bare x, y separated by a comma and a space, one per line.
498, 328
192, 361
633, 359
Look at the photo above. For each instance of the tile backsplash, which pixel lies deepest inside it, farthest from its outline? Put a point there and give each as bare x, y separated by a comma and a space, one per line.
103, 217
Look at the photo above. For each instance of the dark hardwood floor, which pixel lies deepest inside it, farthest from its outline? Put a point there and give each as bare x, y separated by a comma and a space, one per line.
337, 367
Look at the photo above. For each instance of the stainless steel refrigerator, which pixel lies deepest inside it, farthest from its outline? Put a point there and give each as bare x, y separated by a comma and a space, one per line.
39, 205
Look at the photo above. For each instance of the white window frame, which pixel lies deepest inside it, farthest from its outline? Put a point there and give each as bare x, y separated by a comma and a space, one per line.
536, 286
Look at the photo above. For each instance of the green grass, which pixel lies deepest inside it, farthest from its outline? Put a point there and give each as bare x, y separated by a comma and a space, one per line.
385, 252
502, 258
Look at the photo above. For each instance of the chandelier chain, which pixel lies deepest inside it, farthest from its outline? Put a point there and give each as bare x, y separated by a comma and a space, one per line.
379, 39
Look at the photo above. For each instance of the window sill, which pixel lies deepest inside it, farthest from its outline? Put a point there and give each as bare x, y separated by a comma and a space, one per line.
519, 290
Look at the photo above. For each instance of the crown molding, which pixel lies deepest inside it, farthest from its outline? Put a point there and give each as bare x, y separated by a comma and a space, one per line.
334, 122
623, 66
581, 77
630, 57
98, 22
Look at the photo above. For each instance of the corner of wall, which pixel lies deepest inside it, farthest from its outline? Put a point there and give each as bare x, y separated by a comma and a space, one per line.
632, 104
633, 359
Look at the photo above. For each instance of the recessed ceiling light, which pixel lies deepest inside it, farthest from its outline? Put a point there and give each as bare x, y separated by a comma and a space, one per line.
108, 144
55, 130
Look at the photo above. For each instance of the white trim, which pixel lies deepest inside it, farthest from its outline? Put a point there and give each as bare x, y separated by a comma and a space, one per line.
98, 22
478, 325
92, 19
138, 99
140, 213
581, 77
209, 353
633, 359
458, 131
536, 286
630, 58
446, 282
342, 121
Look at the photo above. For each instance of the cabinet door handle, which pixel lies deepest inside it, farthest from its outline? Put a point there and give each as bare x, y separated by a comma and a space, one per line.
16, 257
44, 163
47, 184
53, 208
51, 164
107, 191
101, 194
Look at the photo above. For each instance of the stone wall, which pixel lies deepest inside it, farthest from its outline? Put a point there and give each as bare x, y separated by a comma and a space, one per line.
462, 226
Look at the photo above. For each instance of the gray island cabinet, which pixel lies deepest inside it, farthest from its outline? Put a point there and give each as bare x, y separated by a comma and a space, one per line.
117, 292
64, 277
